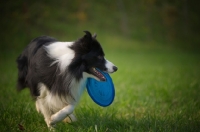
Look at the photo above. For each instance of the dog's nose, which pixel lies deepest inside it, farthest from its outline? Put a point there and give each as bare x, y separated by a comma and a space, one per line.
115, 68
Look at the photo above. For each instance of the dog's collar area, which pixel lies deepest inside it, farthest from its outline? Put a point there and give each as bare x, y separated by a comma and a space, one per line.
97, 74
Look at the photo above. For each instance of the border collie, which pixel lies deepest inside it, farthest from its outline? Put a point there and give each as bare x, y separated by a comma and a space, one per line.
56, 73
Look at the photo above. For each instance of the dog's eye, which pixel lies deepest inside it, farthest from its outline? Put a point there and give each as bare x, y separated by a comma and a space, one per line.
100, 57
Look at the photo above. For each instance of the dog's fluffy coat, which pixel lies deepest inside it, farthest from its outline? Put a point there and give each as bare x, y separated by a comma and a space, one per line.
56, 73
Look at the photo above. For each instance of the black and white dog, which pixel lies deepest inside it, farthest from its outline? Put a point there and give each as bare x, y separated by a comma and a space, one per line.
56, 73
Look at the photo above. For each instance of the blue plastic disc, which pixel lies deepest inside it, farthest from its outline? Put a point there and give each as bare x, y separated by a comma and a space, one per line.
101, 92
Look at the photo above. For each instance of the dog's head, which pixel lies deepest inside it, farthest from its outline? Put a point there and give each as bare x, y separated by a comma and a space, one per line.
92, 56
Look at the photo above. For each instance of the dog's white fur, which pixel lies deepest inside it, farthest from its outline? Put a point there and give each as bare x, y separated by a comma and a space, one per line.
62, 54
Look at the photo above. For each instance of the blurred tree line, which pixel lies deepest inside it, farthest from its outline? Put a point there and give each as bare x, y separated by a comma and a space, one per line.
172, 21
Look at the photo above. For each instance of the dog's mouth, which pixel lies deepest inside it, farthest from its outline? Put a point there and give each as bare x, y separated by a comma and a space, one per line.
97, 74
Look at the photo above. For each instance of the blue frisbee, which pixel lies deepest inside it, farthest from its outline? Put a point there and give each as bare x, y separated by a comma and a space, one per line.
101, 92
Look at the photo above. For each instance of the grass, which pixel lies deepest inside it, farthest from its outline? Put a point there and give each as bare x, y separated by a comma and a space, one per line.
156, 90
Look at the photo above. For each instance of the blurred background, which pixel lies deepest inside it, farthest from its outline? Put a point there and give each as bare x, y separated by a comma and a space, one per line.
152, 23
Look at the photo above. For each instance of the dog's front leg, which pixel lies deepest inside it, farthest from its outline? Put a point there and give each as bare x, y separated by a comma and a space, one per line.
62, 114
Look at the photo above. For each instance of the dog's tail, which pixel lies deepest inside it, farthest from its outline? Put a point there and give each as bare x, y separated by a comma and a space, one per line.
22, 65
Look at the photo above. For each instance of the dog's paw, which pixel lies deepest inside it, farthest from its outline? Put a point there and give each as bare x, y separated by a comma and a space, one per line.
69, 119
52, 120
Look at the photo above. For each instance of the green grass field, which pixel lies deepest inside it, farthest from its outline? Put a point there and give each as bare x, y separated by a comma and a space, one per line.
157, 90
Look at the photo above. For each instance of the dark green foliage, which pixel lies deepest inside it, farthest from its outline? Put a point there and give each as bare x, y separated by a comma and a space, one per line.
168, 22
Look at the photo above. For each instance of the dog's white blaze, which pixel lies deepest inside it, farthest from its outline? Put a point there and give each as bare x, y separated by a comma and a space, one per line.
62, 54
109, 66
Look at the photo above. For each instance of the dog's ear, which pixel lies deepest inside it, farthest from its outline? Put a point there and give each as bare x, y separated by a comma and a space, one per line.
94, 36
88, 35
87, 40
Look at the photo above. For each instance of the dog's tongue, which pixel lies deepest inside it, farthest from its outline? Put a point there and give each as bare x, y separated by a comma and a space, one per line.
98, 74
